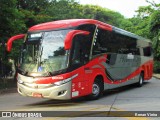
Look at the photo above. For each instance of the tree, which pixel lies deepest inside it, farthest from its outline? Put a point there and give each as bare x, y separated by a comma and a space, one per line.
11, 23
147, 24
11, 19
63, 9
33, 5
34, 11
103, 14
30, 18
155, 31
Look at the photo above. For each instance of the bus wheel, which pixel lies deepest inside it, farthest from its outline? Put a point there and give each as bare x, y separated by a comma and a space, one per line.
141, 80
97, 89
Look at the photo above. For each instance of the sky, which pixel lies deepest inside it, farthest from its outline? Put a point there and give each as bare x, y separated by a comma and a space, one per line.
126, 7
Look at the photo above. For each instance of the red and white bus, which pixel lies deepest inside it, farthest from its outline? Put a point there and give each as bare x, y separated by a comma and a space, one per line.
67, 59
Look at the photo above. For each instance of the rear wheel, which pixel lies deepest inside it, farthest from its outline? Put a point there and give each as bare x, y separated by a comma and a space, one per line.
141, 80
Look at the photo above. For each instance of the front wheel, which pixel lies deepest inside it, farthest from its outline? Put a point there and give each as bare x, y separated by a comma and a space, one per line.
97, 89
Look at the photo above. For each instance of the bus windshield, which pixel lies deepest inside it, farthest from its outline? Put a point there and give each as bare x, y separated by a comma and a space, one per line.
44, 52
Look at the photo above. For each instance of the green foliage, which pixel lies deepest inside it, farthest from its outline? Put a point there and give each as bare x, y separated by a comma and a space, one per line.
144, 11
102, 14
139, 26
30, 18
33, 5
11, 23
18, 15
156, 67
155, 21
147, 24
155, 30
11, 19
63, 9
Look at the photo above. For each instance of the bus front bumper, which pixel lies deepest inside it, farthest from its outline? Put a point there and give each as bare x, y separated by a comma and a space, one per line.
61, 92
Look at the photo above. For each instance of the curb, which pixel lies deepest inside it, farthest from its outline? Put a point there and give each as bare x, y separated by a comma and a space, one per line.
157, 76
8, 90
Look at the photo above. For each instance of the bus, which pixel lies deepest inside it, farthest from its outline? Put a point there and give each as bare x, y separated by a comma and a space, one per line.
67, 59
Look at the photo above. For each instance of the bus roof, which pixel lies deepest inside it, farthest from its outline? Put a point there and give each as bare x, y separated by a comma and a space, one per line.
67, 23
129, 34
60, 24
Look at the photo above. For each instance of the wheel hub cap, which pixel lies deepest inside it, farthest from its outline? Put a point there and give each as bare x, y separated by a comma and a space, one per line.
95, 89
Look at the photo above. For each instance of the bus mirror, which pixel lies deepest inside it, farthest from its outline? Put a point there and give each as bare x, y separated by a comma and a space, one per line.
71, 35
10, 41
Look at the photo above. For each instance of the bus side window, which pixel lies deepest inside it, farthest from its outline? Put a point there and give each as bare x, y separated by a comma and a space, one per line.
147, 51
96, 48
99, 45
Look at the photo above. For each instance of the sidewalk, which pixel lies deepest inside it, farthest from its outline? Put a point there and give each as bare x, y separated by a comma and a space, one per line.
7, 85
156, 76
8, 90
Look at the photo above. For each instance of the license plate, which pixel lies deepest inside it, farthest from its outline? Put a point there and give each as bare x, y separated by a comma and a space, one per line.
37, 95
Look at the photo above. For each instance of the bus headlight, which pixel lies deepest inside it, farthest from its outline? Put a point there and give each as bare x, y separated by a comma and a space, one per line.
20, 81
65, 80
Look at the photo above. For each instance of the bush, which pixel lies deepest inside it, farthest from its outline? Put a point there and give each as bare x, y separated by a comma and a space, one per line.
156, 67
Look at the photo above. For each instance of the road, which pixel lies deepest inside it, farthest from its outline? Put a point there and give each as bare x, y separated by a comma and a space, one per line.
130, 98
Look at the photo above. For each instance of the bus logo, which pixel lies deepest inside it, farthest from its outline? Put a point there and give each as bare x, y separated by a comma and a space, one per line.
40, 69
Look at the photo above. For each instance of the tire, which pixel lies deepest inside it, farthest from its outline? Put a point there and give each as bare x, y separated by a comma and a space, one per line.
97, 89
141, 80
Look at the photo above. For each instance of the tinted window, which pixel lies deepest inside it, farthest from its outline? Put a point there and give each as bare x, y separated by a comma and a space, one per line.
87, 27
147, 51
126, 44
107, 41
80, 50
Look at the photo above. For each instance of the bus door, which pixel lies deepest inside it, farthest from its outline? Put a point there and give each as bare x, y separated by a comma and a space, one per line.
79, 57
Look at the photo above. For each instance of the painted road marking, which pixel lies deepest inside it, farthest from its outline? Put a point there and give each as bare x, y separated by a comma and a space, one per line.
92, 109
69, 107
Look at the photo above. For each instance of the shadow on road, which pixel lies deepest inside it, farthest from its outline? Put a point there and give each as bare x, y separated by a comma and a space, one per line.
74, 102
51, 103
122, 89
